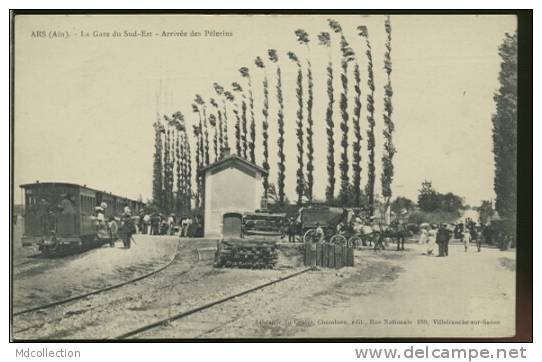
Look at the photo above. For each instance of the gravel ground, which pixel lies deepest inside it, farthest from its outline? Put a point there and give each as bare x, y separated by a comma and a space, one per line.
186, 284
385, 294
38, 280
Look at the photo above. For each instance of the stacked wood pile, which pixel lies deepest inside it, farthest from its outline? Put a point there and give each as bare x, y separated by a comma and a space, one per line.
246, 253
328, 255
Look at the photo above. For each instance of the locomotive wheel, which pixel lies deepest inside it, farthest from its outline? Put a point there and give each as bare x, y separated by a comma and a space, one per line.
355, 241
338, 239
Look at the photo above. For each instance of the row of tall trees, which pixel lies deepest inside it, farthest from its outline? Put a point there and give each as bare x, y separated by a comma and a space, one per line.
172, 165
211, 123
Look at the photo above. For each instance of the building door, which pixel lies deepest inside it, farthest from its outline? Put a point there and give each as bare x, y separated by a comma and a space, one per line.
231, 226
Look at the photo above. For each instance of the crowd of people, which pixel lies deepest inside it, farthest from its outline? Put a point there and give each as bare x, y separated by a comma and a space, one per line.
434, 235
113, 228
368, 229
155, 223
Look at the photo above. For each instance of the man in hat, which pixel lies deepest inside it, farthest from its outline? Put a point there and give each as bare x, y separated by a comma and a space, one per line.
291, 230
441, 239
401, 234
127, 228
155, 223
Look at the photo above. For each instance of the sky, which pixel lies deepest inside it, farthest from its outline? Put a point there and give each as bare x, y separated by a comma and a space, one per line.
84, 106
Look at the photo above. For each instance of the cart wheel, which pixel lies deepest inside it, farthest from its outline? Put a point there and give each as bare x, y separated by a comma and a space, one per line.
338, 239
355, 241
309, 236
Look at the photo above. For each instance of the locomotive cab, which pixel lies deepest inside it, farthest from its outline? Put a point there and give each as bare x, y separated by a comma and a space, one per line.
50, 213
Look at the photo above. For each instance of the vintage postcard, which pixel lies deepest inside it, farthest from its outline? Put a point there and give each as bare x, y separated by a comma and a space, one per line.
222, 176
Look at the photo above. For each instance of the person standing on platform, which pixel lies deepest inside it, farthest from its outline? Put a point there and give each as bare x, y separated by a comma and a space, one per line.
441, 240
479, 239
292, 228
146, 224
466, 238
431, 239
155, 224
171, 224
127, 228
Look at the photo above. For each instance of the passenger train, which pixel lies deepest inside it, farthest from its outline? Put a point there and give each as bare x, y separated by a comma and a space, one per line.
60, 217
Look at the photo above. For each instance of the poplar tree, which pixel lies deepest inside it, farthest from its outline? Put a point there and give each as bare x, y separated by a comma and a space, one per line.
300, 187
265, 125
325, 40
281, 165
389, 127
371, 175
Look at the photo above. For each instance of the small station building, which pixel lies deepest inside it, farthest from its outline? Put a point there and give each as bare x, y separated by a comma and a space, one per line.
232, 185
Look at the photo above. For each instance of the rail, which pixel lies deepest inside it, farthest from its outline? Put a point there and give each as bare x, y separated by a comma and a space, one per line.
98, 291
206, 306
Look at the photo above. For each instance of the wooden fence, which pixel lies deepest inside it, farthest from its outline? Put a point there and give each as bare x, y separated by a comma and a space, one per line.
328, 255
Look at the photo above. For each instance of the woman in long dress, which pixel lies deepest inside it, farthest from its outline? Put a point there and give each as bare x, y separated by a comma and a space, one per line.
431, 240
423, 237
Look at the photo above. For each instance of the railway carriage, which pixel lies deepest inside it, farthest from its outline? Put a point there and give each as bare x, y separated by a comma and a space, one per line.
59, 216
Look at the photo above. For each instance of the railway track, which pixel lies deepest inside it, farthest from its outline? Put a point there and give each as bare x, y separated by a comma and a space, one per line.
98, 291
165, 321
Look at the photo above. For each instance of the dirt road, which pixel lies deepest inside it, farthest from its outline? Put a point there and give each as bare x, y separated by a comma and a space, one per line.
387, 294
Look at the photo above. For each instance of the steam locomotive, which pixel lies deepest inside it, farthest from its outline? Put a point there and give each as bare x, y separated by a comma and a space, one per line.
60, 217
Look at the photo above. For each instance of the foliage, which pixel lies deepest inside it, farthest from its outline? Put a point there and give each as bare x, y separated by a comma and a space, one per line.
157, 180
300, 185
486, 211
273, 57
389, 148
325, 40
505, 134
303, 38
197, 135
238, 139
218, 139
265, 126
430, 200
213, 123
371, 176
347, 57
222, 118
401, 204
252, 140
356, 145
201, 103
350, 198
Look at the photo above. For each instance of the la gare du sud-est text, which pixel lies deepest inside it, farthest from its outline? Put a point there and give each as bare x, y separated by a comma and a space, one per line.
163, 34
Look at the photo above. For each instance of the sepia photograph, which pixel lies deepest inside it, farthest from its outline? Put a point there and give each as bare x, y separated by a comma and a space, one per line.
286, 176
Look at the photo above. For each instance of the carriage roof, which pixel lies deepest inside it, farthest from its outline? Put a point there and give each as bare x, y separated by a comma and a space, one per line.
72, 185
264, 215
325, 216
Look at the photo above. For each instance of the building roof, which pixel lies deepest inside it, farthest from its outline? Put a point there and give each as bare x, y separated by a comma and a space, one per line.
233, 158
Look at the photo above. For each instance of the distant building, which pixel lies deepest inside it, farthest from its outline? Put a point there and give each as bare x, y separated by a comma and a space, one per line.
231, 185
